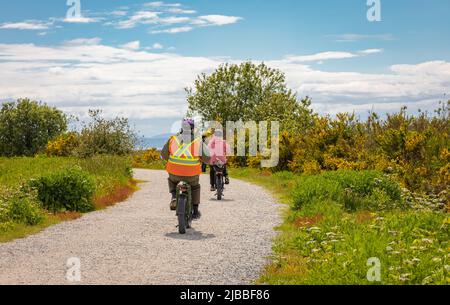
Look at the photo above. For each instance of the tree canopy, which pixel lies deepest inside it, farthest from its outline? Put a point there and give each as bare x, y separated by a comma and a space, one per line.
26, 126
247, 92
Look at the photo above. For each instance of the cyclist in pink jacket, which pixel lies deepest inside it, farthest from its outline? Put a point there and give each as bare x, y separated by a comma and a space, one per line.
219, 149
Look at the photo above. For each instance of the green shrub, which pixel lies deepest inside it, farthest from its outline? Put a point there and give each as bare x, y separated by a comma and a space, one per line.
17, 206
26, 126
63, 146
106, 137
68, 190
150, 159
314, 188
364, 190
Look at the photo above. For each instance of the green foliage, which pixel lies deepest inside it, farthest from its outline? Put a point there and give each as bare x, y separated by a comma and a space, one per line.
107, 171
326, 243
413, 149
247, 92
19, 207
26, 126
106, 137
68, 190
63, 146
365, 190
411, 247
150, 159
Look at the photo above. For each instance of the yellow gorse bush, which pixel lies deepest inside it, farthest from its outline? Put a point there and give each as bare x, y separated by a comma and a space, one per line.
413, 148
151, 155
63, 146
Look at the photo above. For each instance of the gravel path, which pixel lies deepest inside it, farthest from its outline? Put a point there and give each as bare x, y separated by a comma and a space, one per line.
137, 242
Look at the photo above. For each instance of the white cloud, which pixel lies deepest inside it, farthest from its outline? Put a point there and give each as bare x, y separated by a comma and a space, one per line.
216, 20
133, 45
173, 20
77, 76
157, 46
330, 55
83, 73
405, 84
175, 30
81, 20
181, 11
138, 17
26, 25
161, 14
371, 51
150, 17
83, 41
320, 56
359, 37
161, 4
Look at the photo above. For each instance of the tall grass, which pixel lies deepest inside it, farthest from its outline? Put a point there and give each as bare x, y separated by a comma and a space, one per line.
337, 221
108, 171
22, 212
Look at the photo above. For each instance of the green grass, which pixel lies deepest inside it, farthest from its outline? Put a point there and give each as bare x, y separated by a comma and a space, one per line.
338, 220
154, 165
107, 171
18, 230
111, 174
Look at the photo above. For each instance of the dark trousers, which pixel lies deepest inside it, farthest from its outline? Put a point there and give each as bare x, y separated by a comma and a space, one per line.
194, 182
212, 175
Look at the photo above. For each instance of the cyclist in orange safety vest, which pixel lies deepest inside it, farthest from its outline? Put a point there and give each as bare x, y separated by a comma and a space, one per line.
184, 154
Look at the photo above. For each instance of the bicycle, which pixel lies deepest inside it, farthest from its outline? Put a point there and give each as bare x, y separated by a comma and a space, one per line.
219, 169
185, 208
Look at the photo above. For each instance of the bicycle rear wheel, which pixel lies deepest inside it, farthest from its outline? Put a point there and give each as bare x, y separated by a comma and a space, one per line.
219, 186
181, 213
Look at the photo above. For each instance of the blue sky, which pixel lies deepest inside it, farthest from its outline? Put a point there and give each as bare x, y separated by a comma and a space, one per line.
135, 57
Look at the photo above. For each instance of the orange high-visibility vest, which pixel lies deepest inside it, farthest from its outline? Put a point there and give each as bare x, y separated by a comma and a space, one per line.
184, 158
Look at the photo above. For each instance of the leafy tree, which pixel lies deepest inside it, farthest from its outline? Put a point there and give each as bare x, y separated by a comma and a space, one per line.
102, 136
247, 92
26, 126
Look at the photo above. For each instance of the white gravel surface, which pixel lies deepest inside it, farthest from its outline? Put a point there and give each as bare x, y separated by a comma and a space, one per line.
137, 242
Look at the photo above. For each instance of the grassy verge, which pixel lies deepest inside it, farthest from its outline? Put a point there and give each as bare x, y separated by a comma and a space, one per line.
19, 230
155, 163
337, 222
111, 175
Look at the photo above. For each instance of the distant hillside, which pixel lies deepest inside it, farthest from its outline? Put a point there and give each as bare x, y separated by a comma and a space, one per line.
154, 142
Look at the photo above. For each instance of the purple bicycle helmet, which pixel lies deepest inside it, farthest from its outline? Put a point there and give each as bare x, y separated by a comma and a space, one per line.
189, 122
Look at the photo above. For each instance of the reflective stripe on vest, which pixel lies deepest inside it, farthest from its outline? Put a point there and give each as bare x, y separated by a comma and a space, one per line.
182, 161
183, 149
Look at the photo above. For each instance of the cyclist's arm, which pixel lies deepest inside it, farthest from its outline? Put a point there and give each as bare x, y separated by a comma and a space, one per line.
165, 151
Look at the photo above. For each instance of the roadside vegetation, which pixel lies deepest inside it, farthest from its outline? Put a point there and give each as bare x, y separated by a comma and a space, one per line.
48, 175
336, 221
148, 159
355, 188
